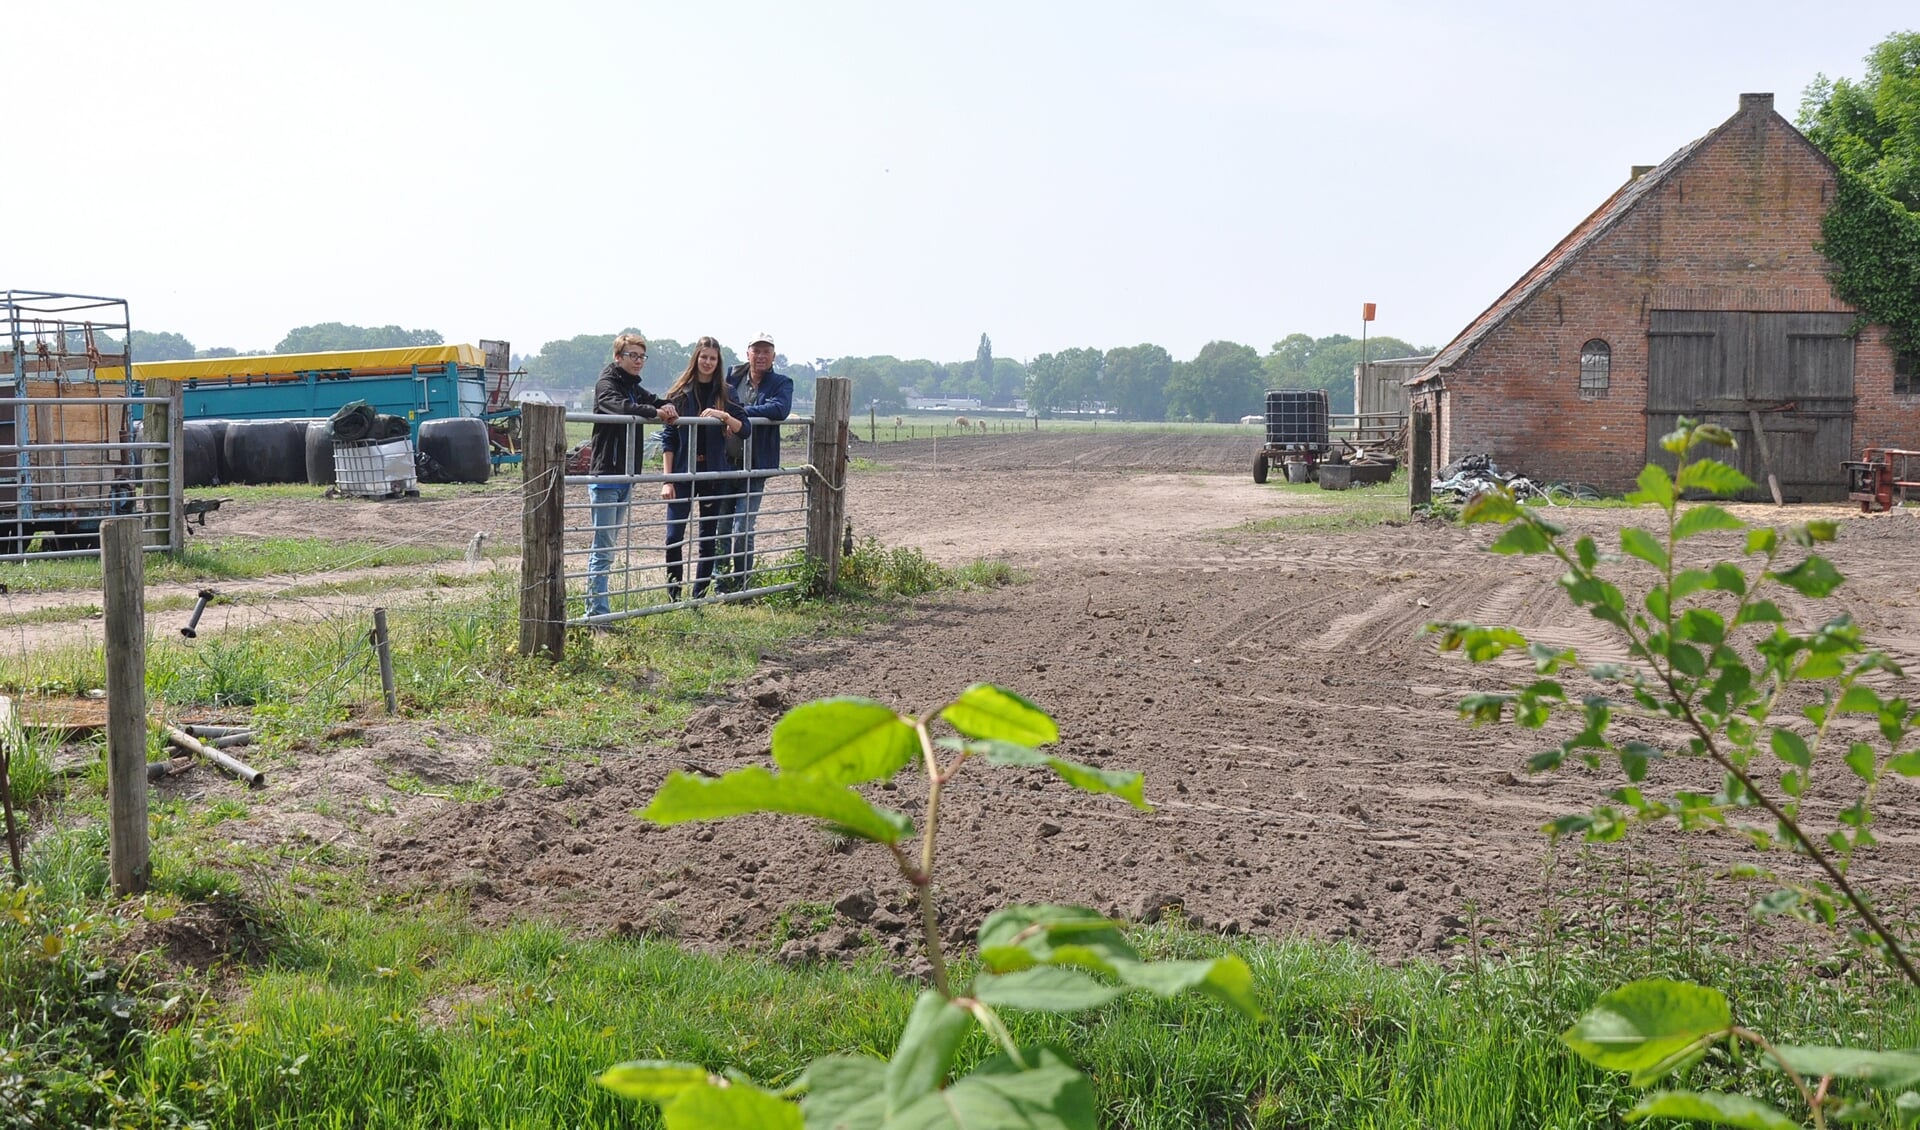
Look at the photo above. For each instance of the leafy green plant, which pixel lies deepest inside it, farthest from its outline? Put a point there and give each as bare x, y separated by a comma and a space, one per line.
1059, 959
1768, 727
1874, 245
876, 570
1655, 1029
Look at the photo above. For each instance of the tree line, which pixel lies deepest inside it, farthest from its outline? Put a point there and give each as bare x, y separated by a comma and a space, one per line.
1223, 381
321, 338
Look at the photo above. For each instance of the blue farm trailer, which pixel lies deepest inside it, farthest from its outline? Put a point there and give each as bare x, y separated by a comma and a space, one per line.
417, 383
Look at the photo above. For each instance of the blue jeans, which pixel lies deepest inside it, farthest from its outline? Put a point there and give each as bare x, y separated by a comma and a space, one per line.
609, 520
715, 519
746, 518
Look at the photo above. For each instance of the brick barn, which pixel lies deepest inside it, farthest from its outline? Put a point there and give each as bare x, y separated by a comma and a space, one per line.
1697, 289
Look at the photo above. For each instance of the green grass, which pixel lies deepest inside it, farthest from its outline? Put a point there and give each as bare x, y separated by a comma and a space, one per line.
455, 658
345, 1005
233, 559
406, 1015
1355, 508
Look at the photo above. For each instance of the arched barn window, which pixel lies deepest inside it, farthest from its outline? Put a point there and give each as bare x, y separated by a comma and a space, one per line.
1596, 368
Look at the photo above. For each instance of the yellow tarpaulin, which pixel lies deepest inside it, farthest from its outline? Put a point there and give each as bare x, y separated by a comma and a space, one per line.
288, 364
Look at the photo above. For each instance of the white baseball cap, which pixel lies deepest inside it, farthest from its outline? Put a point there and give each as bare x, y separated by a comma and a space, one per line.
760, 337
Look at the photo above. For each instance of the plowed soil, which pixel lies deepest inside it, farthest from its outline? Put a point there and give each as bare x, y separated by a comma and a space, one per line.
1298, 733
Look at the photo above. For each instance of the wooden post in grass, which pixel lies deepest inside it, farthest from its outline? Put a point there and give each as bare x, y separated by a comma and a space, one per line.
9, 742
123, 577
1420, 460
161, 478
383, 648
827, 485
543, 518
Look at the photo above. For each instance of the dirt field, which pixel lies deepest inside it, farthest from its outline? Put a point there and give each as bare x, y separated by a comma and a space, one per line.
1298, 735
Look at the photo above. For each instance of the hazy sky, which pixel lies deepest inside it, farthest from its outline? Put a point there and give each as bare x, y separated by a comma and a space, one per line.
853, 177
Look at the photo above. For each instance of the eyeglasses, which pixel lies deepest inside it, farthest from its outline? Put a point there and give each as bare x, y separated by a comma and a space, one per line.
630, 355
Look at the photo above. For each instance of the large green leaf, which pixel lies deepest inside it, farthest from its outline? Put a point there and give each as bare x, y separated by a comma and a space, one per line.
1226, 978
1655, 487
1714, 1107
925, 1053
691, 1099
652, 1080
987, 711
1791, 748
1495, 505
1815, 577
1884, 1070
732, 1107
1046, 988
1017, 937
1021, 937
1521, 537
1689, 581
846, 1091
843, 741
1714, 477
1126, 784
1859, 699
1700, 519
754, 789
1639, 543
1650, 1028
1049, 1094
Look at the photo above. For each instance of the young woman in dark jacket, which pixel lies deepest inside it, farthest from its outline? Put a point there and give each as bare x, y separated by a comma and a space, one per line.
700, 391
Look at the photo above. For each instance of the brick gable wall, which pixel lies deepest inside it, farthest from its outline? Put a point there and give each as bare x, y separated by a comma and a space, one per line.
1734, 227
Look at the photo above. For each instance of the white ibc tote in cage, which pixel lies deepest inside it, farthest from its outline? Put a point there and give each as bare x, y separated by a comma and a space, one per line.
372, 469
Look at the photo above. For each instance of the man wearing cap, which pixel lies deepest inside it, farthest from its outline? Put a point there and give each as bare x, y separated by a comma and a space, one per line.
765, 397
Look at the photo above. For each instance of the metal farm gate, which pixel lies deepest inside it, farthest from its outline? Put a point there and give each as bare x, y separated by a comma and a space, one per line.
1781, 382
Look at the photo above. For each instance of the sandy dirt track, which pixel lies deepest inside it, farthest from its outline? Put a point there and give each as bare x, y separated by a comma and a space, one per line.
1297, 732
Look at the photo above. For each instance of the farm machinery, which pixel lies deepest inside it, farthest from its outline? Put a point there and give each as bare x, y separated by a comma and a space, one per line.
1299, 438
1879, 475
420, 384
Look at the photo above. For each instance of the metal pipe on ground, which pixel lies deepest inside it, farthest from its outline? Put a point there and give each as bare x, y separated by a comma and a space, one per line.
254, 778
203, 730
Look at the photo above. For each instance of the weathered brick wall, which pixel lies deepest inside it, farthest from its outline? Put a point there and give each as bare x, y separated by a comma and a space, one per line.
1734, 228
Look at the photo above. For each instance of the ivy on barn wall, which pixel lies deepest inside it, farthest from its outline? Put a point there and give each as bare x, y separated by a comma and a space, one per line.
1873, 243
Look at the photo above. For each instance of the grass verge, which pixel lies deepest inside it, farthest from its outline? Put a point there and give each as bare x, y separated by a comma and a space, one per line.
365, 1014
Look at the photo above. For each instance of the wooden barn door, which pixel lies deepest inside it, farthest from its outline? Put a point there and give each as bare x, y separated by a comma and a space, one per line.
1793, 372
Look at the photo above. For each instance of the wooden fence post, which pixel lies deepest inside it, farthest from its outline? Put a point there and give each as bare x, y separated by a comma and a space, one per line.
827, 486
123, 574
1420, 460
161, 480
543, 578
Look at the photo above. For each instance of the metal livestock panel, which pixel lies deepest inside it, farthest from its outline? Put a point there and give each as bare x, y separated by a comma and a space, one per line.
1789, 373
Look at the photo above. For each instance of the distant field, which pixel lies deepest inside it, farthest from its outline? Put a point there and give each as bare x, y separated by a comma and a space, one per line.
888, 427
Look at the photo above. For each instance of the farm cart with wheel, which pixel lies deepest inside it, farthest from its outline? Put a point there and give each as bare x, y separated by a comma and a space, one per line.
1297, 437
